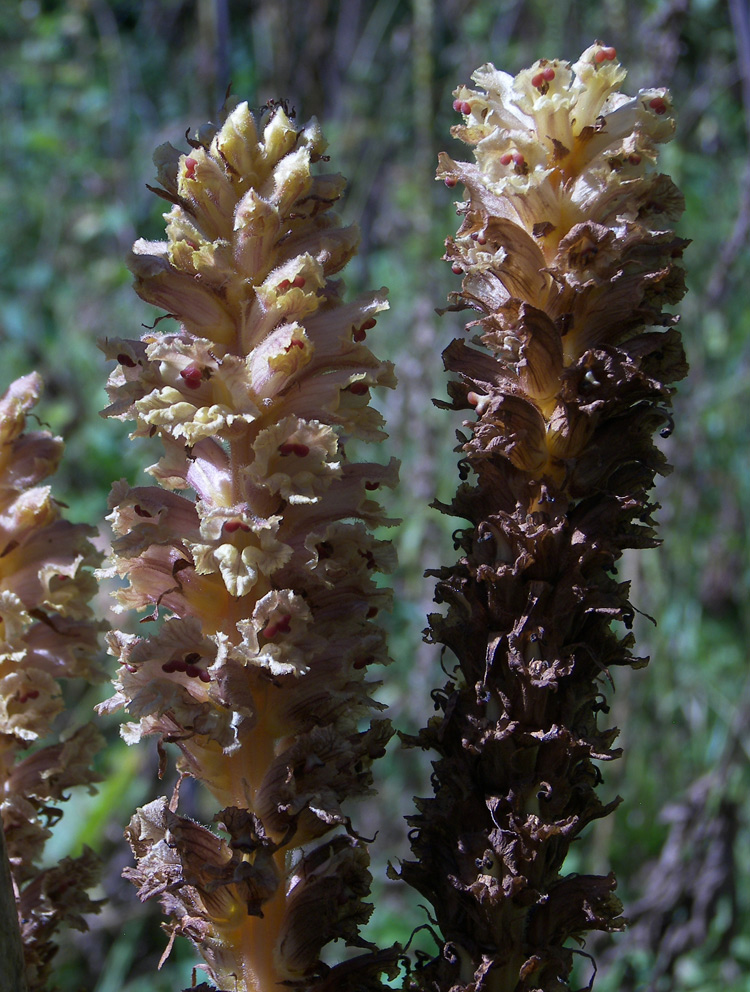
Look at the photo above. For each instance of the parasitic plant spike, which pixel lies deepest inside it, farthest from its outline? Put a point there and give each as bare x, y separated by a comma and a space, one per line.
47, 634
255, 556
568, 261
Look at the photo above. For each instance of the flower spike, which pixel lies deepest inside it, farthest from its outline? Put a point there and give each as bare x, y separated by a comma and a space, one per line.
568, 259
46, 634
264, 579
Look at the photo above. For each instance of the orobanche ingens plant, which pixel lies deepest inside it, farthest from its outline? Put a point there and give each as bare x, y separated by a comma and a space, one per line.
259, 672
568, 258
253, 557
47, 635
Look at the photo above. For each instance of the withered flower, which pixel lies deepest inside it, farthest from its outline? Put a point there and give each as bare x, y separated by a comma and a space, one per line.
257, 550
568, 259
47, 634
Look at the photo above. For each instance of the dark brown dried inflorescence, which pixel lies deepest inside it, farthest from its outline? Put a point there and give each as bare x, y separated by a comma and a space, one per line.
568, 258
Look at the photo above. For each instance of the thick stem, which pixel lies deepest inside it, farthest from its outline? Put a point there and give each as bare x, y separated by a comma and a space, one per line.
12, 972
254, 943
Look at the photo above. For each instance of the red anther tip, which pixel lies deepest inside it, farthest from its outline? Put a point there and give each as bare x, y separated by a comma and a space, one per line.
518, 158
358, 334
372, 486
286, 449
283, 286
368, 324
233, 525
204, 676
456, 269
294, 343
465, 108
190, 164
537, 80
450, 181
192, 376
141, 512
298, 282
472, 398
301, 450
634, 159
506, 159
127, 361
281, 626
548, 73
457, 104
372, 612
658, 105
610, 54
359, 388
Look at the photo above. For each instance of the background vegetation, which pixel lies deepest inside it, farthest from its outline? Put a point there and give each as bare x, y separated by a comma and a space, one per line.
89, 87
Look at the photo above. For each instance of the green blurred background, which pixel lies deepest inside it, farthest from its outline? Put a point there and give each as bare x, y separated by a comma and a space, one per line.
89, 87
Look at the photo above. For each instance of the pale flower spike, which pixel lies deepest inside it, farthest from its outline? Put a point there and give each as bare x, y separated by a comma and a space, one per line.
568, 260
265, 581
47, 634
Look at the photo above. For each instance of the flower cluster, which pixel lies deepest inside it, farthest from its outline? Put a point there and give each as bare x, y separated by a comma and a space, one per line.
46, 635
568, 259
257, 670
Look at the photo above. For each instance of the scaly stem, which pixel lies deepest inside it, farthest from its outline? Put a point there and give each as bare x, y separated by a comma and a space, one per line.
12, 978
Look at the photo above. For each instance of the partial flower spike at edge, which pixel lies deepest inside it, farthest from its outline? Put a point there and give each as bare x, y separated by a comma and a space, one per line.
47, 635
255, 558
568, 260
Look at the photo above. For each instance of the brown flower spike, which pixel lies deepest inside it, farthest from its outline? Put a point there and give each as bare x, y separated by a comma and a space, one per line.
46, 634
568, 259
258, 672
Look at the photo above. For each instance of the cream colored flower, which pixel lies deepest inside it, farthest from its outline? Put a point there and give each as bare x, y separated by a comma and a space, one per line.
265, 579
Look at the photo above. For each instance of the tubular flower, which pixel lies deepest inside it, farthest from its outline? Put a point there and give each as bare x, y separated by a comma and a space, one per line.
568, 260
266, 579
46, 635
